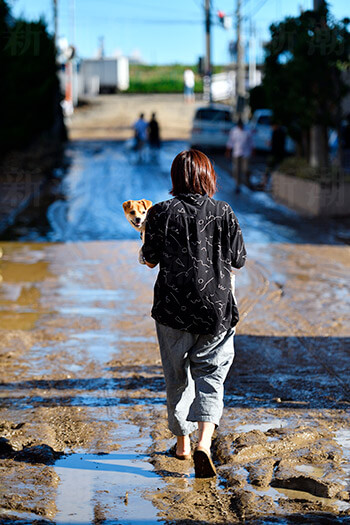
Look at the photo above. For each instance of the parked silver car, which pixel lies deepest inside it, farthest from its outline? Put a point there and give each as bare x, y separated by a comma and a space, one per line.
260, 126
211, 126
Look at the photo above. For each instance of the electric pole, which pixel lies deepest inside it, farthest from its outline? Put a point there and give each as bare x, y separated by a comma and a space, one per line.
252, 57
72, 22
240, 68
55, 23
207, 60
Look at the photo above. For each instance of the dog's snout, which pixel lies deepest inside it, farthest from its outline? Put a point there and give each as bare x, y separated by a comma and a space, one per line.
137, 220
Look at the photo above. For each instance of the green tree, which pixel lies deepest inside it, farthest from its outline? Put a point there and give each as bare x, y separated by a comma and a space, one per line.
257, 98
303, 78
29, 90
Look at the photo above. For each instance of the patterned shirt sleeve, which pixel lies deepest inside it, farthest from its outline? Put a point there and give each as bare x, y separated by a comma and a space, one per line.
153, 237
237, 247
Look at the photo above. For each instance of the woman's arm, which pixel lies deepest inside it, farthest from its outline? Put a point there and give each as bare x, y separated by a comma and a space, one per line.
151, 249
237, 247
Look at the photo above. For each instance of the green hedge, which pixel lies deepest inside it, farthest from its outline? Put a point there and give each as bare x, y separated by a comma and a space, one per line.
160, 86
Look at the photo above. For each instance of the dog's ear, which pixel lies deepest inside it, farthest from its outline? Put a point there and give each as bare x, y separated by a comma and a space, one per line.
147, 204
126, 205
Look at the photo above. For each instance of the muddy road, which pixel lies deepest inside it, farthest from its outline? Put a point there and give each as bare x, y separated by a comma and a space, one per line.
83, 417
83, 414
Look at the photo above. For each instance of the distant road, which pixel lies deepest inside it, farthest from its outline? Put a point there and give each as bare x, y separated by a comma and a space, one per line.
111, 116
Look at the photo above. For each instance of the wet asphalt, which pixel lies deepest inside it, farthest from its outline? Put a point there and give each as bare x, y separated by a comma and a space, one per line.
86, 195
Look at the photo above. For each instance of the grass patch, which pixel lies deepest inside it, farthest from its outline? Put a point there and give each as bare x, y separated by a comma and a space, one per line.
162, 79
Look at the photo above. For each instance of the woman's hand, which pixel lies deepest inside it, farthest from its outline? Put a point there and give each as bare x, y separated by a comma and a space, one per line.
150, 265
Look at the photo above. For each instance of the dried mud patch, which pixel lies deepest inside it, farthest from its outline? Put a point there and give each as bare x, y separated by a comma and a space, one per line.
63, 429
29, 448
283, 470
28, 489
290, 474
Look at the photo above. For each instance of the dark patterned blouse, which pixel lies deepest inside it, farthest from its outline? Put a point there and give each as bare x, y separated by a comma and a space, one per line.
196, 240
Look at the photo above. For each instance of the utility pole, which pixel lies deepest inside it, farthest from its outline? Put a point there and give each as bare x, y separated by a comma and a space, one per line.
71, 95
240, 69
252, 57
207, 60
55, 23
72, 22
318, 4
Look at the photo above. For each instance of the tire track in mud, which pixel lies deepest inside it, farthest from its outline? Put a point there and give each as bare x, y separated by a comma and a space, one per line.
279, 308
298, 324
318, 355
260, 284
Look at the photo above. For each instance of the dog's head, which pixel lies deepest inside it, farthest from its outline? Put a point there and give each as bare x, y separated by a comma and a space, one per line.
136, 211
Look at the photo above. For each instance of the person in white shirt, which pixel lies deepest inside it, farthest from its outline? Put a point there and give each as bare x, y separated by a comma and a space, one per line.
189, 82
140, 128
240, 145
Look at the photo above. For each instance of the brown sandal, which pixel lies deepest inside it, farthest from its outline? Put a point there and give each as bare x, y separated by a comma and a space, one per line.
203, 465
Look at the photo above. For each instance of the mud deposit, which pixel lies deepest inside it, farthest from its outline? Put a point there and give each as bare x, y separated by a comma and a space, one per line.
83, 419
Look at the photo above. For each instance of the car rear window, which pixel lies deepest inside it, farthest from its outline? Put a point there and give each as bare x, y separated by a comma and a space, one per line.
264, 120
213, 115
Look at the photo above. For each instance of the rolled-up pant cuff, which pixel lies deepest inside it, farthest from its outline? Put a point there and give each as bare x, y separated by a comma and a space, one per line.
182, 429
195, 367
206, 419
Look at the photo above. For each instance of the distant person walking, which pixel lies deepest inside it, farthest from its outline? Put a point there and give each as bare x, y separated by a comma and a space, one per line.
277, 152
240, 146
153, 133
140, 129
189, 82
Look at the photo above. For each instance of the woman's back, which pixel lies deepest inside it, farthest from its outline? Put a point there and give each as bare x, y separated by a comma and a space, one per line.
196, 240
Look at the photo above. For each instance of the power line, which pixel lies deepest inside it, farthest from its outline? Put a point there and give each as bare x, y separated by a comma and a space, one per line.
148, 5
199, 4
256, 9
133, 20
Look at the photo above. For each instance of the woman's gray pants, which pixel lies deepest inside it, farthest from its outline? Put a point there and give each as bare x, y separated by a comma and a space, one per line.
195, 368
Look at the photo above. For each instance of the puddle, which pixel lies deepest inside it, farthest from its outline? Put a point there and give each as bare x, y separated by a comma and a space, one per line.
91, 294
277, 493
342, 437
310, 470
87, 480
263, 427
109, 486
135, 339
101, 346
84, 311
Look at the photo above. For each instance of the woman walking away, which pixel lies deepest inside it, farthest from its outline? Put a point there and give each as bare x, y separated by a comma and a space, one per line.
240, 146
196, 241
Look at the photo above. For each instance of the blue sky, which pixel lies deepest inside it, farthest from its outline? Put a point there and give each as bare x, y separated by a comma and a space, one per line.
160, 31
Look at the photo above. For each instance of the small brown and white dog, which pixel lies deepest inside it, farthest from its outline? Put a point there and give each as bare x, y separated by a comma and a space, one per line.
136, 213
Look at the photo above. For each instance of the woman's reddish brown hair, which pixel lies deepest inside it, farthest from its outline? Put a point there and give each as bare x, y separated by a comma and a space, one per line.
192, 172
